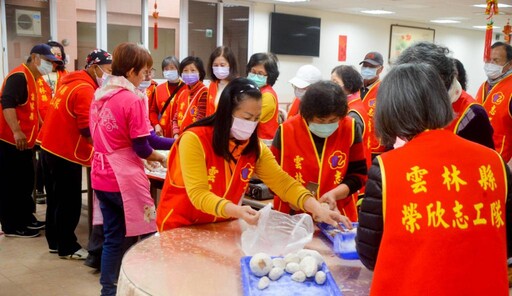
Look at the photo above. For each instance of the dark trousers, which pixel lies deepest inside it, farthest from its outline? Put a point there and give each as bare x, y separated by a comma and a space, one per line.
39, 170
16, 184
63, 202
115, 244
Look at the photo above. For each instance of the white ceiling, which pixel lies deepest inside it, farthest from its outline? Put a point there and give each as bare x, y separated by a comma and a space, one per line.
421, 11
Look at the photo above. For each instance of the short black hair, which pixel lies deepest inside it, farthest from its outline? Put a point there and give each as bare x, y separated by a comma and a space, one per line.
352, 80
461, 74
59, 67
235, 92
411, 99
269, 61
508, 48
170, 60
323, 98
432, 54
197, 62
227, 53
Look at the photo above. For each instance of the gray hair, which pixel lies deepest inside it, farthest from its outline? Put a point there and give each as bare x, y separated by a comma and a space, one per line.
411, 99
171, 60
432, 54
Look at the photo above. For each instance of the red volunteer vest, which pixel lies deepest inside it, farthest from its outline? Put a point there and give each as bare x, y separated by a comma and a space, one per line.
497, 104
175, 208
45, 92
212, 93
151, 92
302, 162
294, 108
444, 219
369, 102
267, 130
27, 113
161, 95
60, 134
460, 107
188, 106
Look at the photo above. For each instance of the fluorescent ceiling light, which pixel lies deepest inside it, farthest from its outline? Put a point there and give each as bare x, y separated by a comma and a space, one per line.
485, 27
500, 5
239, 19
445, 21
377, 11
292, 1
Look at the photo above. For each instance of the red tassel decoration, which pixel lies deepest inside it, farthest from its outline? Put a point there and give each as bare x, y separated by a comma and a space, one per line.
488, 41
155, 27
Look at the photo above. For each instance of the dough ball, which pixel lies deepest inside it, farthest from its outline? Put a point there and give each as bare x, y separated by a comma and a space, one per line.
260, 264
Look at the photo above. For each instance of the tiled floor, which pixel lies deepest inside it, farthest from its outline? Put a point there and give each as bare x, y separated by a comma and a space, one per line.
28, 269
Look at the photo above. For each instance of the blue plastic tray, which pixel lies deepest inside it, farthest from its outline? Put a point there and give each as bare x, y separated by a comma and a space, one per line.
343, 243
285, 285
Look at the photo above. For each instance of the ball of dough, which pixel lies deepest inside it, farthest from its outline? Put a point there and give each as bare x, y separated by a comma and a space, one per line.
291, 257
307, 252
260, 264
299, 276
292, 267
320, 277
275, 273
263, 283
279, 262
309, 266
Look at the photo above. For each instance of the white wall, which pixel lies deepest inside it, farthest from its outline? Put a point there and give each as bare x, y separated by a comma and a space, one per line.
364, 34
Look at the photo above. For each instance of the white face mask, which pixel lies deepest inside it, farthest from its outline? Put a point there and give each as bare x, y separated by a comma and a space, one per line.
144, 85
455, 90
45, 67
171, 75
221, 72
299, 92
493, 71
242, 129
323, 130
101, 80
368, 73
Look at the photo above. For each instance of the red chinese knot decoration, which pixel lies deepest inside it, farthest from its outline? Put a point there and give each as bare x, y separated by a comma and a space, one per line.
155, 26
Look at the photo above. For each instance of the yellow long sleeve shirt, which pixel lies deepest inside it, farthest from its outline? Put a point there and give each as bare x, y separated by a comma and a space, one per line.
191, 159
268, 106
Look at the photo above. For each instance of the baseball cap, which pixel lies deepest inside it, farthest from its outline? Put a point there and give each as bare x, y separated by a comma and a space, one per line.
98, 57
46, 51
373, 58
306, 75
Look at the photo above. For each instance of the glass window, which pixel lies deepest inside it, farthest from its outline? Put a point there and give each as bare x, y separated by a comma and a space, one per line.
123, 22
236, 32
202, 29
27, 24
86, 33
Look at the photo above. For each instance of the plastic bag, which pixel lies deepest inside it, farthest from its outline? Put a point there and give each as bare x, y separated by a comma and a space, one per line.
277, 233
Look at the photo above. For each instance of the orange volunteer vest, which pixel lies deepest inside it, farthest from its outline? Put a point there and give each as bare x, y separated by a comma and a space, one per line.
302, 162
151, 92
444, 219
27, 113
175, 208
497, 103
369, 102
267, 130
162, 93
212, 93
60, 134
188, 106
294, 108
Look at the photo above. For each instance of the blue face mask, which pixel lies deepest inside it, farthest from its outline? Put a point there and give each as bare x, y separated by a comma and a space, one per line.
323, 130
368, 73
260, 80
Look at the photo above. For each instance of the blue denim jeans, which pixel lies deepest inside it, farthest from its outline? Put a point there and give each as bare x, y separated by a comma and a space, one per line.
111, 204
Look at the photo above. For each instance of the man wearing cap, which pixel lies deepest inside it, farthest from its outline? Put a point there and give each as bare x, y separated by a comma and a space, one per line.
67, 146
306, 75
19, 124
371, 68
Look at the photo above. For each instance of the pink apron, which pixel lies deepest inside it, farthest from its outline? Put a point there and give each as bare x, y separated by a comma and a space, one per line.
139, 208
